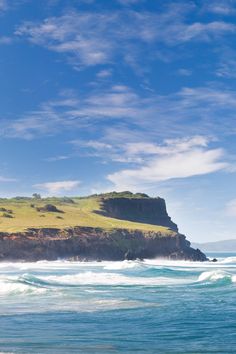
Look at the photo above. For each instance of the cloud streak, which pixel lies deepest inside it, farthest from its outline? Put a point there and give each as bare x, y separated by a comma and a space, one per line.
6, 179
89, 38
177, 159
54, 188
231, 208
3, 5
130, 115
221, 7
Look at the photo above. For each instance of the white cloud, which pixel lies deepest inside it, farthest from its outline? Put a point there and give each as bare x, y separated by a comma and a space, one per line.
184, 72
227, 67
188, 158
5, 40
231, 208
130, 115
97, 145
3, 5
77, 34
170, 146
48, 119
118, 103
57, 158
204, 31
221, 7
104, 73
6, 179
89, 38
129, 2
58, 187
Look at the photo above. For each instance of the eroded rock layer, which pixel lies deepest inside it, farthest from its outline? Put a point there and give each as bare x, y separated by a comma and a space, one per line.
94, 244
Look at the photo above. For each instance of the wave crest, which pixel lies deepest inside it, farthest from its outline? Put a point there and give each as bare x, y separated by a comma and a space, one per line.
216, 276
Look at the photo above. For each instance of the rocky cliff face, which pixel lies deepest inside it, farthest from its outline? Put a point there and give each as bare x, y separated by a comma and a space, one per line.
101, 244
94, 244
144, 210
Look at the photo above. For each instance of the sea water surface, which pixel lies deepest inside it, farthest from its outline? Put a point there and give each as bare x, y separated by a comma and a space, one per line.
155, 306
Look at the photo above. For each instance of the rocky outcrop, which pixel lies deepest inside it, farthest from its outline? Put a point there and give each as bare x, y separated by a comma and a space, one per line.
49, 208
144, 210
95, 244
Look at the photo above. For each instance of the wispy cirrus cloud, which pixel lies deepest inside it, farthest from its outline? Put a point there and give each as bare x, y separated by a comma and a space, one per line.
89, 38
118, 103
3, 5
221, 7
78, 35
226, 67
182, 158
230, 208
138, 150
184, 72
102, 74
130, 115
7, 179
5, 40
130, 2
57, 158
48, 119
58, 187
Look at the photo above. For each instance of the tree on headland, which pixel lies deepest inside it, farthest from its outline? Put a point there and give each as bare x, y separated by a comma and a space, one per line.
36, 196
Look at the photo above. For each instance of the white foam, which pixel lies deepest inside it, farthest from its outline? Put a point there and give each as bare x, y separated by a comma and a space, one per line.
75, 304
18, 284
109, 265
228, 260
12, 286
112, 279
122, 265
215, 276
172, 263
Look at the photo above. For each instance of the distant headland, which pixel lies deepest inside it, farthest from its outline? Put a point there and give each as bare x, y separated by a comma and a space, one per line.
110, 226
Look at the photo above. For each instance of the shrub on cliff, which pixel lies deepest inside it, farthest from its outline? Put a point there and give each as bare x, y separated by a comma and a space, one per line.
125, 194
3, 209
7, 215
67, 200
49, 208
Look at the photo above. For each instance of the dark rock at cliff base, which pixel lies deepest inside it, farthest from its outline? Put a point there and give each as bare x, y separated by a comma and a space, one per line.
93, 243
189, 253
129, 256
144, 210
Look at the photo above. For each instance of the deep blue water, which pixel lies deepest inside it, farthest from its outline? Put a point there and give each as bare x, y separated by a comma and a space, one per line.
118, 307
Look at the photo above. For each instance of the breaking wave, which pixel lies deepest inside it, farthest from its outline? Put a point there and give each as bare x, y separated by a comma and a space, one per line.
216, 276
93, 278
14, 286
47, 278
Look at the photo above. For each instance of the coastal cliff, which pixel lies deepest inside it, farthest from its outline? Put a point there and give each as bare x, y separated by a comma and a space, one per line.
95, 244
144, 210
114, 226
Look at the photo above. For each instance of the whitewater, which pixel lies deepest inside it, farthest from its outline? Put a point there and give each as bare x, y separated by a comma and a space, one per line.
150, 306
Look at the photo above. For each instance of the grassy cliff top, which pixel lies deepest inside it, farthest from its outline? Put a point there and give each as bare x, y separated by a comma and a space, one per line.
19, 214
125, 194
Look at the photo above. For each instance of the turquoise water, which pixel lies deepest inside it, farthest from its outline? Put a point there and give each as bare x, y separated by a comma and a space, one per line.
118, 307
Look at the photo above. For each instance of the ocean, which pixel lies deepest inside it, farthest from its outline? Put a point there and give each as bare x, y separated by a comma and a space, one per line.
155, 306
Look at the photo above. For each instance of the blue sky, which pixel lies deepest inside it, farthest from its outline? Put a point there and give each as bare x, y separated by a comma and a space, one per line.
122, 95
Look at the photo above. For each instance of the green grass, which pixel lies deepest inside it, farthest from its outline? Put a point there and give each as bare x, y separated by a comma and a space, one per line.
125, 194
79, 213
